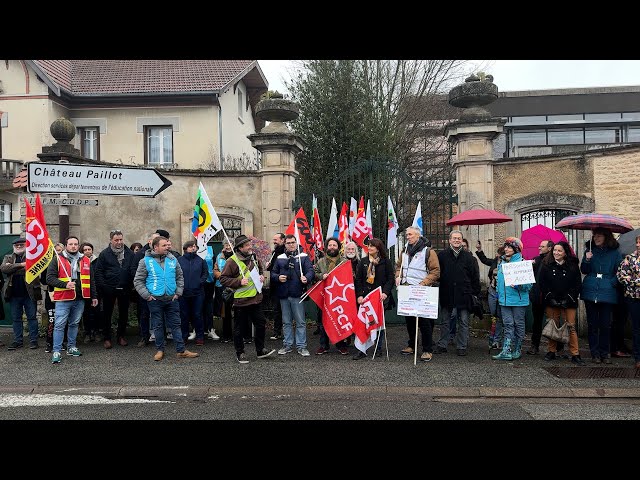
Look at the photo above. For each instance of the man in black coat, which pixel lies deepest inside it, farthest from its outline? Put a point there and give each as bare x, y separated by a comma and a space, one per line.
113, 280
459, 280
537, 305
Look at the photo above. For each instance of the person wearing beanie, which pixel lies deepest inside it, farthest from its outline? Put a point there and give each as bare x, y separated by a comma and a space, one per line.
513, 300
247, 299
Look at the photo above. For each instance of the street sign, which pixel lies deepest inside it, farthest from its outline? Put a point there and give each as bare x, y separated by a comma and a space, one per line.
69, 178
73, 202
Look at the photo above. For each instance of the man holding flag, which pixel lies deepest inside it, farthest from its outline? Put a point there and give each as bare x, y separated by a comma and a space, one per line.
21, 295
322, 270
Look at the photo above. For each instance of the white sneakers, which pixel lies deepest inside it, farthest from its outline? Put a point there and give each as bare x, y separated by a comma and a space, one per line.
192, 335
212, 334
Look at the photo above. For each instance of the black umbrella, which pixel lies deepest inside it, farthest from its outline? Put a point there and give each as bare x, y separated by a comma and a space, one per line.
628, 241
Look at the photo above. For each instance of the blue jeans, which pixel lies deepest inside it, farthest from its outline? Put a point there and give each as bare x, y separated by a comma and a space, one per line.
633, 304
513, 319
70, 312
191, 308
17, 304
293, 309
170, 310
492, 299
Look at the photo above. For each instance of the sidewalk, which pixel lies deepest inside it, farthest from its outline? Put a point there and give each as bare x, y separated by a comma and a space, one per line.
131, 371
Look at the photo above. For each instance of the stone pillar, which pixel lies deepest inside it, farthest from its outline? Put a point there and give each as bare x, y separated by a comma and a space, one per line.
62, 152
279, 147
472, 136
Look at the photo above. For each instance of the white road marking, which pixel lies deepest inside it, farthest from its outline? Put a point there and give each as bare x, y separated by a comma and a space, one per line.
43, 400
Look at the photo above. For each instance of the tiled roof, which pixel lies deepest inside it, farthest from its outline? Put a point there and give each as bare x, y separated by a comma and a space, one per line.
58, 70
94, 77
21, 179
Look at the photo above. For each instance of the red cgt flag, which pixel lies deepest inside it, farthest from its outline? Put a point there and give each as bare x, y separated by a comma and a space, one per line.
336, 296
370, 320
360, 233
39, 246
306, 241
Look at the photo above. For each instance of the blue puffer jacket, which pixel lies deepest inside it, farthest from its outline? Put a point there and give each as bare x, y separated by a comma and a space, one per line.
605, 261
517, 296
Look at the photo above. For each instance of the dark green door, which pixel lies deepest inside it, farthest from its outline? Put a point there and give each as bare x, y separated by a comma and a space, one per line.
5, 249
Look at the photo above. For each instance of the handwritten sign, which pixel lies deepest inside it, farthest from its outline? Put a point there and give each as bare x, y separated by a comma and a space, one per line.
518, 273
418, 301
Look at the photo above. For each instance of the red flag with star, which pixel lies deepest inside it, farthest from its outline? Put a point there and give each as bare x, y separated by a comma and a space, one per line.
336, 296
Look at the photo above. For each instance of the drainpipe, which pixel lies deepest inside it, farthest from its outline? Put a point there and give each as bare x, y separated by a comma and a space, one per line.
220, 133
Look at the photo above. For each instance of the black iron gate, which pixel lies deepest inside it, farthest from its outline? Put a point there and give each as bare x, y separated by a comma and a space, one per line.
378, 179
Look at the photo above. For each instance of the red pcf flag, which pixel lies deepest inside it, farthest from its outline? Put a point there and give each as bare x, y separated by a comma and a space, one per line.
336, 296
370, 320
306, 241
39, 245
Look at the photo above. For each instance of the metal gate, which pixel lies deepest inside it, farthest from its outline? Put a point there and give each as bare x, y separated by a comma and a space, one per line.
378, 179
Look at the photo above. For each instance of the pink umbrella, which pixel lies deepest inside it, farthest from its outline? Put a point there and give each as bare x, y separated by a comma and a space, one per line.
478, 217
531, 238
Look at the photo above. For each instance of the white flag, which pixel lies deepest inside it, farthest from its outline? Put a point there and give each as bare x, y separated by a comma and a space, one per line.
205, 223
417, 219
392, 225
369, 223
332, 230
353, 214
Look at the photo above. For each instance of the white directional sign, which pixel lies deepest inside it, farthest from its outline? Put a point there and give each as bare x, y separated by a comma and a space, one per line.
68, 178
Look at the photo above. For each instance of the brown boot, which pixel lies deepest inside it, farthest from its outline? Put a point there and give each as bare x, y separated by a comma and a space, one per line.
187, 354
159, 355
107, 344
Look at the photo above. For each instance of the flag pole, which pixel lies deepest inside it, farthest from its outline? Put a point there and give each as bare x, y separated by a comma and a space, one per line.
415, 348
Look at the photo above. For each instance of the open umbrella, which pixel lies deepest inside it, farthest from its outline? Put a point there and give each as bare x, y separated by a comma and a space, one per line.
531, 238
589, 221
478, 217
627, 241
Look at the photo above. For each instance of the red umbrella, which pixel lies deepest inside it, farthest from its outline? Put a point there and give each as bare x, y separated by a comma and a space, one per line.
478, 217
589, 221
531, 238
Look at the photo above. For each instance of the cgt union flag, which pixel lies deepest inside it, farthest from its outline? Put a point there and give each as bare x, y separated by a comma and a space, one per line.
39, 246
336, 297
370, 320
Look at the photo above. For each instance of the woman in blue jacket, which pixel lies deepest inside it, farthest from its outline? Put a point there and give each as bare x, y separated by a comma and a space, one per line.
513, 300
600, 264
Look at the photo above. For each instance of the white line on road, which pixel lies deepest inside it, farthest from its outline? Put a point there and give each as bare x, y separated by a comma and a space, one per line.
42, 400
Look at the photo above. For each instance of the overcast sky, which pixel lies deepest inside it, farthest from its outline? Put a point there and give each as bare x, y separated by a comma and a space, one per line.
512, 75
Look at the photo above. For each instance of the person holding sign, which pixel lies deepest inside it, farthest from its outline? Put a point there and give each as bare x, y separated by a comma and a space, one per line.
419, 266
514, 300
560, 282
247, 299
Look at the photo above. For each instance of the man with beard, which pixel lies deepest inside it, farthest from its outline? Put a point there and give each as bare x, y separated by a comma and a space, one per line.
160, 281
330, 261
21, 295
419, 266
71, 276
278, 249
113, 279
247, 300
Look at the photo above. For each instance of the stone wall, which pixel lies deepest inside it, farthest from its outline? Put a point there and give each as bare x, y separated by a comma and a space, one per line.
522, 186
616, 180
